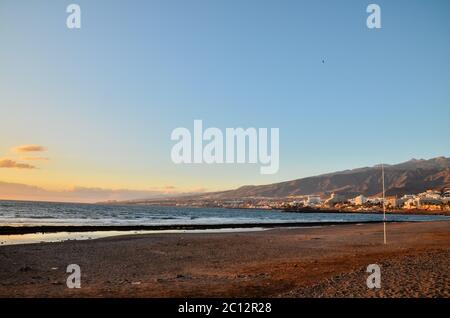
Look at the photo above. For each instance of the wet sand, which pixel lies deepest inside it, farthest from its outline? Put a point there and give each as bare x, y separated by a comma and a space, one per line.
12, 230
328, 261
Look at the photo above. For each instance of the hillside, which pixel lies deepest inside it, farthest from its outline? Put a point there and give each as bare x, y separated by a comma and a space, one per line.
408, 177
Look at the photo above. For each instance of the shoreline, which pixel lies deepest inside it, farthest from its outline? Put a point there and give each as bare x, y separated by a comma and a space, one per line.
287, 210
388, 212
17, 230
292, 210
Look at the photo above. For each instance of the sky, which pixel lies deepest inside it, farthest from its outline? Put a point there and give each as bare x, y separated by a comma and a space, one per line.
102, 101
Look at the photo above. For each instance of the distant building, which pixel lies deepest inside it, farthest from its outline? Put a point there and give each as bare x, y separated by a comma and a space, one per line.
430, 194
429, 201
393, 202
313, 200
360, 200
374, 200
410, 203
422, 203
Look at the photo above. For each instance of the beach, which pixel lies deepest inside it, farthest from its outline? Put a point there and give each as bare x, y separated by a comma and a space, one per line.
319, 261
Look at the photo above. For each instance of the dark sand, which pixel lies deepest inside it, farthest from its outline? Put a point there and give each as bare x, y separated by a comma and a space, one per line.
11, 230
306, 262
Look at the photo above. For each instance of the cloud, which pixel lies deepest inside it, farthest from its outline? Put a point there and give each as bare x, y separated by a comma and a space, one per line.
35, 158
8, 163
18, 191
29, 148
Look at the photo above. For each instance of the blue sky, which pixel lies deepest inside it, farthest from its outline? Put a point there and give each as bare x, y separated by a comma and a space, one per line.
104, 99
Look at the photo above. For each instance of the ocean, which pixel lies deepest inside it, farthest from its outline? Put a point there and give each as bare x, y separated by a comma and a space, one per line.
26, 213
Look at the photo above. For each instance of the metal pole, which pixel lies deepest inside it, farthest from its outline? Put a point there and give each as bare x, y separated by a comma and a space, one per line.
384, 205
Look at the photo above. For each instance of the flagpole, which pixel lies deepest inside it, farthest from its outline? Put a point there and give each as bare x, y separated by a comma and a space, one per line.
384, 204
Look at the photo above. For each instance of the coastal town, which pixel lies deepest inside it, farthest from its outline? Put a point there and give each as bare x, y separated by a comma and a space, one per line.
430, 201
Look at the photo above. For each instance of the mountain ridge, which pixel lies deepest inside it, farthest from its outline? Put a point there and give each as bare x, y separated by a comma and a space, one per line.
410, 177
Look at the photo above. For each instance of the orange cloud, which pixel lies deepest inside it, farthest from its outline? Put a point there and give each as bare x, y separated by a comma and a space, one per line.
8, 163
18, 191
29, 148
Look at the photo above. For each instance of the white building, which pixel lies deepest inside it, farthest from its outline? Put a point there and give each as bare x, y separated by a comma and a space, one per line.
360, 200
410, 204
375, 200
431, 194
313, 200
419, 202
393, 202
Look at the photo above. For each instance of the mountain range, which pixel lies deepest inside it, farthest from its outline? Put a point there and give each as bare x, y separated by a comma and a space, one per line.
410, 177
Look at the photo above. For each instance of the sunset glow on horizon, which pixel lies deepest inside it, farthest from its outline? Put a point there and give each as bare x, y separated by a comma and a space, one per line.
87, 115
